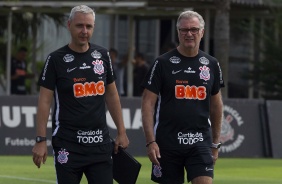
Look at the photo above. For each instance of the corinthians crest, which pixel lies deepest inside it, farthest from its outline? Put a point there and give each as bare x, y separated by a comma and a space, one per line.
98, 67
157, 171
227, 131
63, 156
230, 139
205, 73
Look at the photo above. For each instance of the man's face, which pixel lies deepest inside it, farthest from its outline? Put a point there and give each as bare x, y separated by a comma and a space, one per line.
81, 28
189, 33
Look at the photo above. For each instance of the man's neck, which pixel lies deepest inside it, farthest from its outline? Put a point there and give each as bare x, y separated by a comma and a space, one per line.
78, 48
188, 52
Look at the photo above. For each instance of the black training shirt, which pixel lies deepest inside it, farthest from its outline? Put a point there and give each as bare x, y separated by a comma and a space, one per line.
79, 82
184, 86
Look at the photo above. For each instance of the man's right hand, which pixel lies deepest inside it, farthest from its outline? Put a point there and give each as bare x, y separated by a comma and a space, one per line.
39, 153
153, 152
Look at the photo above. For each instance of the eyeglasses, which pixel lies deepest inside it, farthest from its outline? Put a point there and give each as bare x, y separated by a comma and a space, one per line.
193, 30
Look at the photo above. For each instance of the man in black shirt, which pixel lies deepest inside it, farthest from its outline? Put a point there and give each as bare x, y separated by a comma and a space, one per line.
181, 102
19, 72
80, 77
141, 68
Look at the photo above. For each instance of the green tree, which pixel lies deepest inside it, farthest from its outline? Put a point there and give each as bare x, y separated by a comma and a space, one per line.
24, 32
267, 74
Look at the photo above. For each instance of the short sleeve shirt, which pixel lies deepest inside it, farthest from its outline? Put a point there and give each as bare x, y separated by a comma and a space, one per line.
184, 86
79, 82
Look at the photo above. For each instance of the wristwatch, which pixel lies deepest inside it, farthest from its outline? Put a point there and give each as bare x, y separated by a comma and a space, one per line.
40, 139
216, 145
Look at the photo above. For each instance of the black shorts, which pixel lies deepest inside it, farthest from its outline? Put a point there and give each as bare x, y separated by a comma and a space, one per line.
95, 162
196, 160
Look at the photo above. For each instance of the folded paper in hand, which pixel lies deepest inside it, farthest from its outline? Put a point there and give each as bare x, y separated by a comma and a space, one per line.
125, 167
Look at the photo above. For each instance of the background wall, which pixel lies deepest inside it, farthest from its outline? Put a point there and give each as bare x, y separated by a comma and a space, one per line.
250, 128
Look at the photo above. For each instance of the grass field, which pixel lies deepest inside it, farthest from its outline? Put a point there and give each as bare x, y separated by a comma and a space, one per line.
20, 170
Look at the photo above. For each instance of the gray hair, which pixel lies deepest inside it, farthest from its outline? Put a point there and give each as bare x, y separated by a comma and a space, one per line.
82, 9
190, 14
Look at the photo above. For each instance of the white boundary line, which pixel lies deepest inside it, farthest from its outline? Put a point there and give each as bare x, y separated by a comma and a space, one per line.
27, 179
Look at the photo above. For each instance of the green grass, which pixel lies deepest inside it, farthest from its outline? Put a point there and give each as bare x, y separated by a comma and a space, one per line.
21, 170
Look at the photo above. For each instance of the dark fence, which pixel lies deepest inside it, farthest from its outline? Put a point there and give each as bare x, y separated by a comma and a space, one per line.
250, 128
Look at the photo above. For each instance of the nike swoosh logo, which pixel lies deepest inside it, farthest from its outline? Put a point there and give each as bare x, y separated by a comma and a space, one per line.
70, 70
175, 72
209, 169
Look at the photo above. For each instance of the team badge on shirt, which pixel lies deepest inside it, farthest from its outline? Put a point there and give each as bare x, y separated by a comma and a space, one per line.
204, 61
174, 60
157, 171
95, 54
98, 67
63, 156
68, 58
205, 73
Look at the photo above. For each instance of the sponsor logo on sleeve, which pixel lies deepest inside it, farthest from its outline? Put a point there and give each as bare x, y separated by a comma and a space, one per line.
45, 68
152, 72
209, 169
110, 63
220, 74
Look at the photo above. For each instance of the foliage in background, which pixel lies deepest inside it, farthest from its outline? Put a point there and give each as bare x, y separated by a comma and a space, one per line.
23, 27
267, 74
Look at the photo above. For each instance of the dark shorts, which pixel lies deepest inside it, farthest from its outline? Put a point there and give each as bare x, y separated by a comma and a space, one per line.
197, 161
95, 162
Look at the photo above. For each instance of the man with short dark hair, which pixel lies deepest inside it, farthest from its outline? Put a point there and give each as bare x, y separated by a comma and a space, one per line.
19, 72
